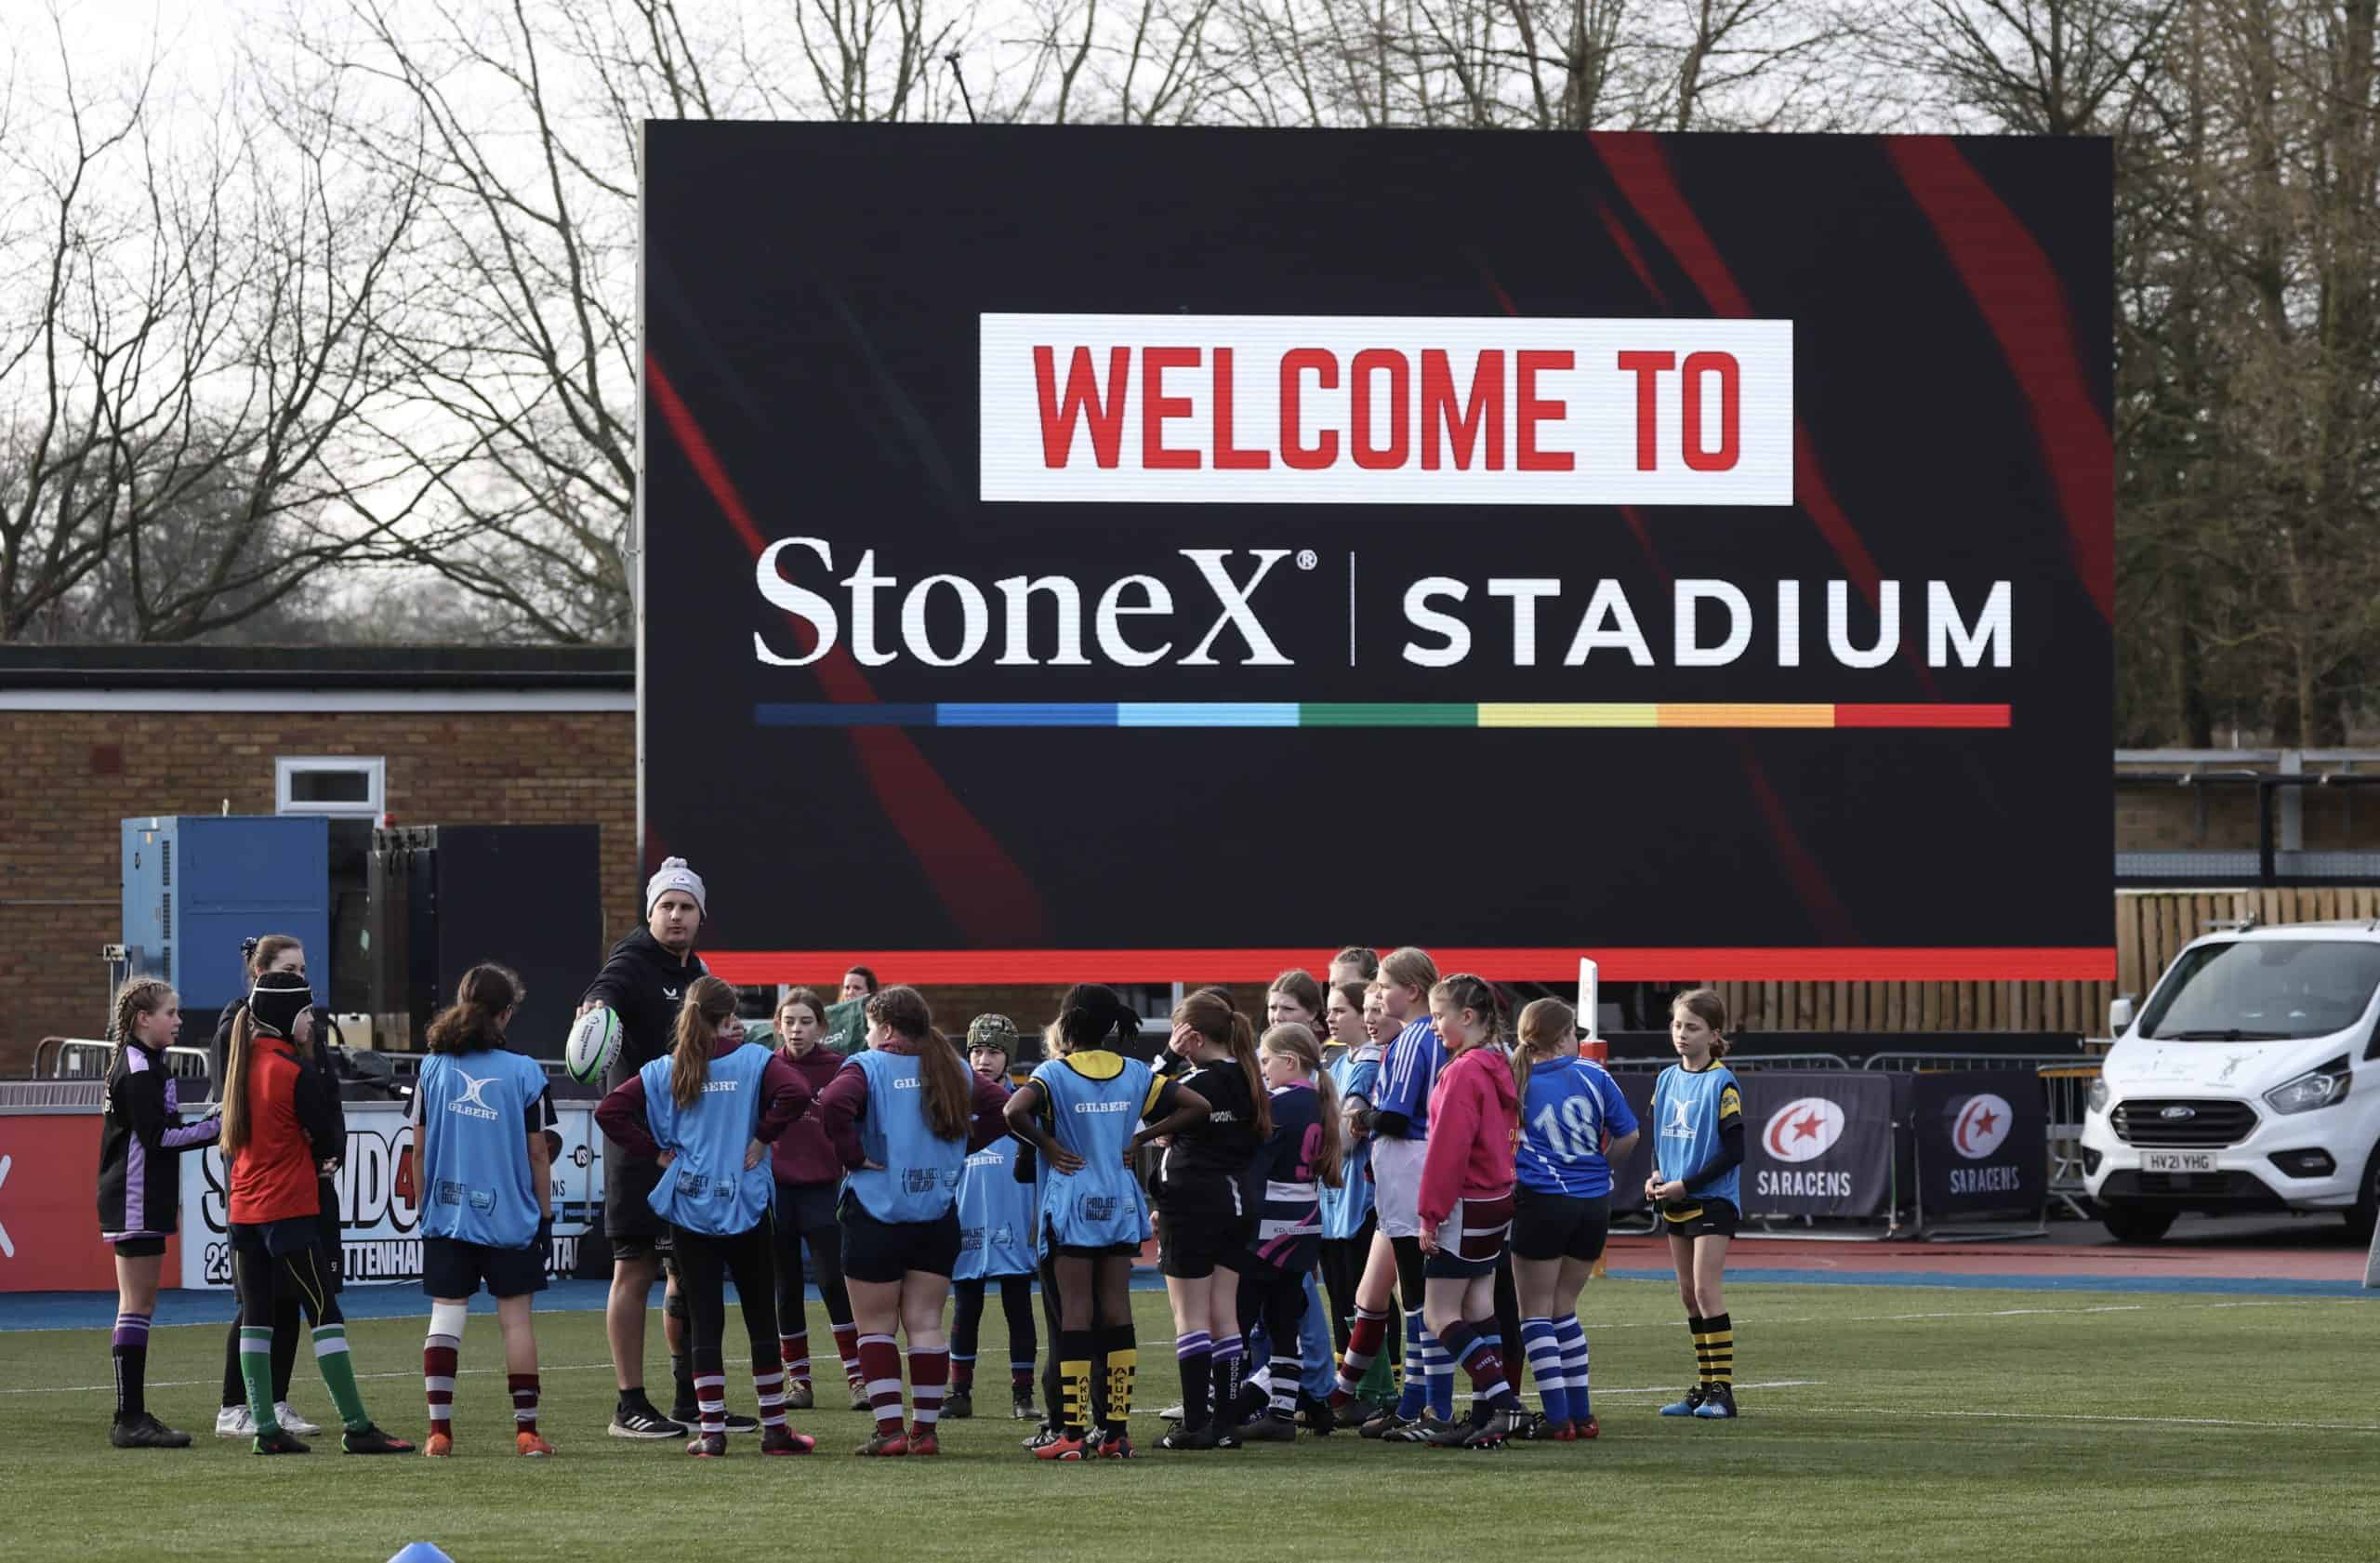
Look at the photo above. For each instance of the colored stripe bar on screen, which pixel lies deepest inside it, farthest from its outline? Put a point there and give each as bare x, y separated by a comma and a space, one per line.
1867, 963
1385, 713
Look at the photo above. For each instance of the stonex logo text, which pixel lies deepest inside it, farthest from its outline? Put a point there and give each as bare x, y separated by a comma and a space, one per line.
1205, 409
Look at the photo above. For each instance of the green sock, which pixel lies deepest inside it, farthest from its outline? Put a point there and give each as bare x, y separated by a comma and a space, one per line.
1378, 1387
256, 1372
338, 1372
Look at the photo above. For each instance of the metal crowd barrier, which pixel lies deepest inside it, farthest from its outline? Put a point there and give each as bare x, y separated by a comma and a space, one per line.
1747, 1061
2067, 1086
2066, 1082
61, 1058
1929, 1063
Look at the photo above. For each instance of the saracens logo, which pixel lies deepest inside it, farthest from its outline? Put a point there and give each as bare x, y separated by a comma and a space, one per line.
1803, 1130
1982, 1123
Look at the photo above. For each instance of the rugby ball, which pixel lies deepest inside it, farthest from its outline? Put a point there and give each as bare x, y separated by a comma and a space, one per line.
594, 1045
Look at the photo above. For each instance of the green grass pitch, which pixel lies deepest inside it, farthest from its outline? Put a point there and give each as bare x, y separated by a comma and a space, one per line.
1879, 1422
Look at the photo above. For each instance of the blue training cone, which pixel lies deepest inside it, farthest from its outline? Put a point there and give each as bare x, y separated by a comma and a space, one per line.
419, 1552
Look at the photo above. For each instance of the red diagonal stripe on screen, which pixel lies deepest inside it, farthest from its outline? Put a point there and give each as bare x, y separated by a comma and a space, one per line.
2022, 300
985, 890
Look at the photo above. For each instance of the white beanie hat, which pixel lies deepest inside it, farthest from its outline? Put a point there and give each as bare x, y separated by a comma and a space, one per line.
675, 875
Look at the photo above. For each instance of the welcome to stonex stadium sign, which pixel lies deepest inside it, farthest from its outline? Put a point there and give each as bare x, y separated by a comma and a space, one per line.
1697, 557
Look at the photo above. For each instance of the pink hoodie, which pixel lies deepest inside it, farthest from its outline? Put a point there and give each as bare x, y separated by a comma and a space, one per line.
1474, 1124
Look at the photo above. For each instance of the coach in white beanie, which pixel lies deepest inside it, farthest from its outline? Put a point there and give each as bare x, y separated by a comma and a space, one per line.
673, 874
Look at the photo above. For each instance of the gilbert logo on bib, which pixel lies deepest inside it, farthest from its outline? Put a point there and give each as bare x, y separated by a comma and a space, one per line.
1803, 1130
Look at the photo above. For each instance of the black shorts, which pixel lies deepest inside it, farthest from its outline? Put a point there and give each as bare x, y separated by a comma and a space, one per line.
1097, 1251
139, 1248
453, 1268
1559, 1226
1191, 1242
627, 1210
883, 1251
1700, 1218
1471, 1239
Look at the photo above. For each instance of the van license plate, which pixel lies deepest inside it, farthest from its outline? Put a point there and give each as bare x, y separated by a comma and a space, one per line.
2178, 1161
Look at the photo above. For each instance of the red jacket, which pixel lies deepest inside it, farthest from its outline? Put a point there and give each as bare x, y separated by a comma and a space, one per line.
1474, 1124
291, 1110
803, 1153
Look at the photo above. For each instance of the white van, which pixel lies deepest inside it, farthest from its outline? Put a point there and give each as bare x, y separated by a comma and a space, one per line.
2250, 1082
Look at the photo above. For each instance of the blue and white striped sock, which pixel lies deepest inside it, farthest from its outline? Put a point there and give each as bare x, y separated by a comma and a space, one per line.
1571, 1336
1440, 1366
1545, 1367
1417, 1364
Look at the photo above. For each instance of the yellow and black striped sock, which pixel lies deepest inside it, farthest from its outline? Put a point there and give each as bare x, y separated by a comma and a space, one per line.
1074, 1382
1700, 1328
1718, 1354
1122, 1350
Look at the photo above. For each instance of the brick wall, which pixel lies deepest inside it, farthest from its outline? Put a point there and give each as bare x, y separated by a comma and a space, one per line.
70, 777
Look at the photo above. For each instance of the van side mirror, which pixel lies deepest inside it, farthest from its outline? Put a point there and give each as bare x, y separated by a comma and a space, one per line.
2119, 1018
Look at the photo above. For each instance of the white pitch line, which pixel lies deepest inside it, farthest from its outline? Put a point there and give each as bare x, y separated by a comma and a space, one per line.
1671, 1389
2002, 1313
415, 1376
2093, 1416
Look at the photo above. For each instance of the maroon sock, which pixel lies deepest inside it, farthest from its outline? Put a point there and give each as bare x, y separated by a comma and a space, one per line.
524, 1401
1364, 1338
438, 1384
879, 1363
847, 1348
929, 1372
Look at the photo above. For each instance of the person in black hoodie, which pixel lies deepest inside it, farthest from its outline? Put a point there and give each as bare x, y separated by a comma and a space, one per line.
643, 982
278, 952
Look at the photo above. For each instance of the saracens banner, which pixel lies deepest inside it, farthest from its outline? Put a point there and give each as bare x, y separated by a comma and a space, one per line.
1818, 1143
1982, 1141
1639, 545
379, 1231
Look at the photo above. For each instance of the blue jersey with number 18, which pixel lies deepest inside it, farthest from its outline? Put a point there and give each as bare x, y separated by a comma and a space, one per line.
1570, 1112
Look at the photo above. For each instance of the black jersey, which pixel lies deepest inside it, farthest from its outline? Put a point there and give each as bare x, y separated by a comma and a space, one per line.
1215, 1153
142, 1141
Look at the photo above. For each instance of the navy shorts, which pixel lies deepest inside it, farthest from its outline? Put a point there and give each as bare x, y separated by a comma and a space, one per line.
1471, 1239
453, 1268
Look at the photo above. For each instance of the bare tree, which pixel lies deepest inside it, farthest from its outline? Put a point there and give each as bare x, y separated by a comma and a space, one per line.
181, 381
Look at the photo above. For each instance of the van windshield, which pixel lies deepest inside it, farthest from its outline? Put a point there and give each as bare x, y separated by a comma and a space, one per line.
2260, 991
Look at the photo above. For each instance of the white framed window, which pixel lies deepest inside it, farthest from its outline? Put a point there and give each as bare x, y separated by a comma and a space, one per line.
342, 786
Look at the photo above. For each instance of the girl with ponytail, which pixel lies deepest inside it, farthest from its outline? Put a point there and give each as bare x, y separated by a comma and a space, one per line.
141, 1139
479, 1161
1574, 1127
281, 1115
1465, 1203
1299, 1156
1205, 1212
271, 952
706, 1113
904, 1115
1084, 1114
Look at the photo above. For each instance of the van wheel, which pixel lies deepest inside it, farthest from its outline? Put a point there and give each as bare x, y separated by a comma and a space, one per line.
2128, 1222
2366, 1216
